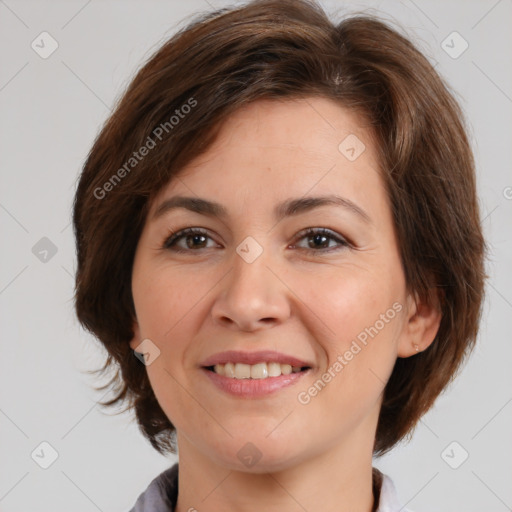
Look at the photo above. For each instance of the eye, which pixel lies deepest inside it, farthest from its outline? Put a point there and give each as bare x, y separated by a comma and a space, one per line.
193, 237
196, 238
319, 237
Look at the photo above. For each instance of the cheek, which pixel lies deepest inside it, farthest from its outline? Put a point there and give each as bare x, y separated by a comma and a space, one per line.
349, 301
359, 319
165, 311
162, 300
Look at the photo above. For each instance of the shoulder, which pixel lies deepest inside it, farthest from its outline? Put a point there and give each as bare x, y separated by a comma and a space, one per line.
388, 501
161, 494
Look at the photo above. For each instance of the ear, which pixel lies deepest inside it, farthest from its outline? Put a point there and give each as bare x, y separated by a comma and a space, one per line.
422, 325
136, 340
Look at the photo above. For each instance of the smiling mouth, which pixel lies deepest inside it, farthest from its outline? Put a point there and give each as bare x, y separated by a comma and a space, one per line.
255, 371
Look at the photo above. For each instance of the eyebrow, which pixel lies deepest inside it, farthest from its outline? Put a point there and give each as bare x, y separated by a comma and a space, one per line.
287, 208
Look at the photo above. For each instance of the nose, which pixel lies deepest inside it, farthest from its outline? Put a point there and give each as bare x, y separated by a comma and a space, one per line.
252, 296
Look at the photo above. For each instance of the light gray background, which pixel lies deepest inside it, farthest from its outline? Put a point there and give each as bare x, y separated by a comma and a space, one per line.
51, 110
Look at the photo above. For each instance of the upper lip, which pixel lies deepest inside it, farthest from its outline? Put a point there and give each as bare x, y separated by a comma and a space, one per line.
262, 356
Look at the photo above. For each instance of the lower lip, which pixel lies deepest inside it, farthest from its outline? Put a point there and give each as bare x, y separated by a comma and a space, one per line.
253, 388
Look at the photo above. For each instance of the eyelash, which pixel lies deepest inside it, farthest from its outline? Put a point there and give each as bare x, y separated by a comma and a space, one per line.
170, 241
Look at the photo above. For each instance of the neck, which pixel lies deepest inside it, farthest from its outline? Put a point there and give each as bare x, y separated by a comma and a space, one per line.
337, 481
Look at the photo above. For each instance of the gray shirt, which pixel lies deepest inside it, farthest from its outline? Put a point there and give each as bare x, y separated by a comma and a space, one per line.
161, 494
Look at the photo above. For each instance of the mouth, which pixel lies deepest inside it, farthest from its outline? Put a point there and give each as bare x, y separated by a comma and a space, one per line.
259, 374
263, 370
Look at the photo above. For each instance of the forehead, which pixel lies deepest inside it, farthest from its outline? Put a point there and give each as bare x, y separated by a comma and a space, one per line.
271, 149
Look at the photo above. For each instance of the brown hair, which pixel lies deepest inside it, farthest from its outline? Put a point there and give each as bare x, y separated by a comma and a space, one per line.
271, 49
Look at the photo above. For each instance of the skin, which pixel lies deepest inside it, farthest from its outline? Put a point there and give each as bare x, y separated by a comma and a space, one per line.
191, 305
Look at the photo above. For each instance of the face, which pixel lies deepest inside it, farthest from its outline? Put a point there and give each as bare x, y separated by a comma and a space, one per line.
319, 287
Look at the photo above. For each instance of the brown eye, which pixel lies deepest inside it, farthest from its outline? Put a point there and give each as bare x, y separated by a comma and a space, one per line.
195, 238
318, 240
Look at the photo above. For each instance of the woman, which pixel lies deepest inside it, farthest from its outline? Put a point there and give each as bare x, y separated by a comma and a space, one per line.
278, 243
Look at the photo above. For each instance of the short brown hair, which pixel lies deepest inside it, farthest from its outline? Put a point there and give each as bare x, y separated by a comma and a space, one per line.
279, 49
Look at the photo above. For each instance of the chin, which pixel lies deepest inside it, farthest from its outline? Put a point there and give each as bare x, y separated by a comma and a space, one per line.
259, 454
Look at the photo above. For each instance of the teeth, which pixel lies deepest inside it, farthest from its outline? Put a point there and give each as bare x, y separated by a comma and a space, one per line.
229, 370
274, 369
254, 371
258, 371
242, 371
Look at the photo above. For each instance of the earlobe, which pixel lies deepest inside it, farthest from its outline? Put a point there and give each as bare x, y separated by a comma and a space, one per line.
421, 326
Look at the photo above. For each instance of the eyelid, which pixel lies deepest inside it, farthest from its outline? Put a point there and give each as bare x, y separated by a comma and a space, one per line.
172, 236
312, 231
176, 235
